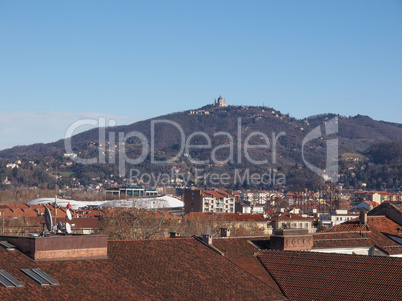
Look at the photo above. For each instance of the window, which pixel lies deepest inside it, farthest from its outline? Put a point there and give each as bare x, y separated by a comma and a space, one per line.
9, 281
39, 276
7, 246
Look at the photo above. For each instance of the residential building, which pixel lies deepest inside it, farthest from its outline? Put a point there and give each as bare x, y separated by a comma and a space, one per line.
246, 207
208, 201
378, 196
254, 197
337, 217
365, 235
368, 205
289, 220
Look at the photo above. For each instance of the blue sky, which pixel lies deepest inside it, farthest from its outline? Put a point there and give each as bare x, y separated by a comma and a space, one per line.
131, 60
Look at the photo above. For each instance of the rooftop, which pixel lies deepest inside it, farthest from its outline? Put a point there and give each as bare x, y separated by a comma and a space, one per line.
172, 269
322, 276
379, 230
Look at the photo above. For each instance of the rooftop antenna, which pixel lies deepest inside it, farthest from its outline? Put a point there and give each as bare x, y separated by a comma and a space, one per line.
69, 216
48, 219
59, 226
68, 228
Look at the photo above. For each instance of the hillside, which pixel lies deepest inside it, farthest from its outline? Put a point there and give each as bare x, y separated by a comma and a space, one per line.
356, 134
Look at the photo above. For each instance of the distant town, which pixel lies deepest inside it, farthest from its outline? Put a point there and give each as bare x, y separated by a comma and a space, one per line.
233, 229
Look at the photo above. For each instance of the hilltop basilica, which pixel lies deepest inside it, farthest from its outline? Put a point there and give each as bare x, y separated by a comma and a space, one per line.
220, 102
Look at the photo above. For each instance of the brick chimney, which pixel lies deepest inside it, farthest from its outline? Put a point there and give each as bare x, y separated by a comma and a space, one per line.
363, 217
291, 240
207, 239
225, 232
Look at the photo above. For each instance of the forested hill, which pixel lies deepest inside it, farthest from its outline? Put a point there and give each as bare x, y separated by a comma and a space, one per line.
285, 136
355, 134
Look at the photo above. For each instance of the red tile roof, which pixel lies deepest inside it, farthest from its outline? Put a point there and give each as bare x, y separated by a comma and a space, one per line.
173, 269
371, 203
216, 193
24, 210
241, 251
378, 229
322, 276
341, 240
289, 217
79, 280
236, 217
185, 269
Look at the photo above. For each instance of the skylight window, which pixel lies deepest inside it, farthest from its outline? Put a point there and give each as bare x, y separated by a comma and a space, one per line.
39, 276
7, 246
9, 281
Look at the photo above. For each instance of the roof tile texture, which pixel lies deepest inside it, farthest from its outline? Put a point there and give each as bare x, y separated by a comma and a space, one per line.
185, 269
175, 269
242, 251
377, 230
320, 276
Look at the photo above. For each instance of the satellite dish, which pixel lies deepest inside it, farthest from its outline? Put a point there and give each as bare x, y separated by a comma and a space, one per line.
59, 226
48, 219
69, 214
68, 228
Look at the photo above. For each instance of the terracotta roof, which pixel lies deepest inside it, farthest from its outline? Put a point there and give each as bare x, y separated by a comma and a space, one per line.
24, 210
324, 276
341, 240
372, 203
378, 230
212, 193
239, 217
185, 269
216, 193
79, 280
289, 217
241, 251
270, 211
173, 269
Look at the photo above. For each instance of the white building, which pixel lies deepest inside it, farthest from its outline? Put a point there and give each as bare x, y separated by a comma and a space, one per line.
208, 201
335, 218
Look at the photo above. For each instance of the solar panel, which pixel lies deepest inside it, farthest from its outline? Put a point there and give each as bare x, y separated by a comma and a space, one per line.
9, 281
39, 276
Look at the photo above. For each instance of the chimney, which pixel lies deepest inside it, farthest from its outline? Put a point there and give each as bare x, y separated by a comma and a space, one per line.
225, 232
363, 217
174, 234
291, 240
207, 239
